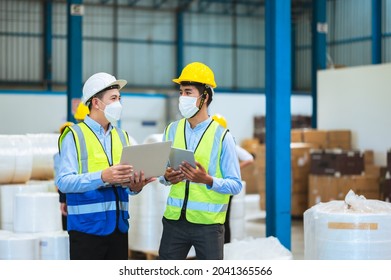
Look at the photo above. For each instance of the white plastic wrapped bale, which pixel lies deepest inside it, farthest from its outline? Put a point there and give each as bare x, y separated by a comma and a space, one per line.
237, 219
16, 159
268, 248
354, 229
37, 212
7, 200
19, 247
146, 211
44, 146
53, 245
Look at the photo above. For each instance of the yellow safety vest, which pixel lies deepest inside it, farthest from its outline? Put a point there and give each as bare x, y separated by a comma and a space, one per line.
201, 205
102, 210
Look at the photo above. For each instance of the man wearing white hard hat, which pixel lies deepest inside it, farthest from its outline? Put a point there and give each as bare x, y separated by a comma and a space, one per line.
97, 187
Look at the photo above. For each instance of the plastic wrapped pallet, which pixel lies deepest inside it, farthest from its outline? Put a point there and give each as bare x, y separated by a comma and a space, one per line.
354, 229
268, 248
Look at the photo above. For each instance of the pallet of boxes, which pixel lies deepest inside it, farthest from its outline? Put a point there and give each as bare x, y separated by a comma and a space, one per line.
255, 174
336, 168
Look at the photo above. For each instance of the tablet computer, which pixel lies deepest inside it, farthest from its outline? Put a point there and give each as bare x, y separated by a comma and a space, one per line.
177, 156
150, 158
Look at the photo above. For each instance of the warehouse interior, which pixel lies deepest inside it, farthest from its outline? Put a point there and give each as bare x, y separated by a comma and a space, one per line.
319, 68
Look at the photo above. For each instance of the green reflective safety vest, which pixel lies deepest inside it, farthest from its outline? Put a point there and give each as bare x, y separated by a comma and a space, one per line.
201, 205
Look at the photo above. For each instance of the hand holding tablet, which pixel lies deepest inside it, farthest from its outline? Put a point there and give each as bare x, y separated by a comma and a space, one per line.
177, 156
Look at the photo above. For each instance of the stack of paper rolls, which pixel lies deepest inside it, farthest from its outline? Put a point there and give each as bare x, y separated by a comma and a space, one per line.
44, 146
19, 247
238, 215
16, 159
7, 199
37, 212
146, 211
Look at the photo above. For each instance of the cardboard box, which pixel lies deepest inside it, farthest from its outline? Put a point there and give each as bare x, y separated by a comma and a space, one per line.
316, 137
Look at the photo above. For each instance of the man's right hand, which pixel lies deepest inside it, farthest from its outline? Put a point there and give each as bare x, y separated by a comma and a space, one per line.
117, 174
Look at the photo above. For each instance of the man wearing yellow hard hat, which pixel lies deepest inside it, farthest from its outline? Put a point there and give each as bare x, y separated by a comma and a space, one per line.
198, 200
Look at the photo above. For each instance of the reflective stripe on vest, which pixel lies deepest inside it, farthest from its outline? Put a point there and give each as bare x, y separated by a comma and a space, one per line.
204, 206
95, 212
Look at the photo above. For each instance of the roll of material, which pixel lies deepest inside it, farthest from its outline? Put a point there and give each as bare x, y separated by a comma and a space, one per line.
7, 199
19, 247
53, 245
353, 229
146, 211
44, 146
238, 228
238, 205
37, 212
16, 159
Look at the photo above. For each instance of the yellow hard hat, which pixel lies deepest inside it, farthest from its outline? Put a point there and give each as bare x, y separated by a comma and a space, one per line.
197, 72
64, 125
81, 112
220, 119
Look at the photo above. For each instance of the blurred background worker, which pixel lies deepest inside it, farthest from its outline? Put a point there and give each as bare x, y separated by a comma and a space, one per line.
81, 112
245, 158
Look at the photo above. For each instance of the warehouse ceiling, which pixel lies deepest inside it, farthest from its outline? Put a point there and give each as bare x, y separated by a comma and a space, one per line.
222, 7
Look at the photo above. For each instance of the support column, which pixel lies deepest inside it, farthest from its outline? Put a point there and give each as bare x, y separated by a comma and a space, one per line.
75, 11
278, 120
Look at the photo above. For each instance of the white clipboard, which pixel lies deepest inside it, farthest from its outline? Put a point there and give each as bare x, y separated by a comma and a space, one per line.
177, 156
151, 158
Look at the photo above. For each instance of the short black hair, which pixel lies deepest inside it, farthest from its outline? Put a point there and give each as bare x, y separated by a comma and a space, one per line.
100, 94
202, 88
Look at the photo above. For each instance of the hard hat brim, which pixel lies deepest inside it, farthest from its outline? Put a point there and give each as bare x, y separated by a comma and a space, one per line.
119, 83
179, 81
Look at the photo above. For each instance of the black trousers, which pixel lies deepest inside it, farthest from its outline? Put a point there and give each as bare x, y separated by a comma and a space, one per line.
178, 237
85, 246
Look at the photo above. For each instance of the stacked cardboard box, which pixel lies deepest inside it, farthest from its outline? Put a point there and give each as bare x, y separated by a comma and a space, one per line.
336, 162
300, 165
323, 188
341, 139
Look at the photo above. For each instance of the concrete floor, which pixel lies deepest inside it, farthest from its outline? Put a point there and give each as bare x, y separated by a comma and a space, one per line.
256, 228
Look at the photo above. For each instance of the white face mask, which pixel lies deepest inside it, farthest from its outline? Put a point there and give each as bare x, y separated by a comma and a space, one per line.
113, 111
187, 106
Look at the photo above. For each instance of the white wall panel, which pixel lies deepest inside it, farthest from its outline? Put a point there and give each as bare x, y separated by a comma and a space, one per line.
358, 98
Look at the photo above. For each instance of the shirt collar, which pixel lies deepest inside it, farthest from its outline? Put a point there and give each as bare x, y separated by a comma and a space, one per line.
96, 127
200, 126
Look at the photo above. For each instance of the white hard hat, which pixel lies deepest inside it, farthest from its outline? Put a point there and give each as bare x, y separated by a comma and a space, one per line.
99, 82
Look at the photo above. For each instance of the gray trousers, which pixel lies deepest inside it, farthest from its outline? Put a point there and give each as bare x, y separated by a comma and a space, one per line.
178, 237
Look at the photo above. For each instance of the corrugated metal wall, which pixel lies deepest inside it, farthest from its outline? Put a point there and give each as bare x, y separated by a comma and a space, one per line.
348, 38
21, 48
139, 44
